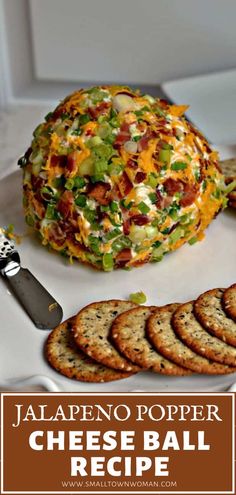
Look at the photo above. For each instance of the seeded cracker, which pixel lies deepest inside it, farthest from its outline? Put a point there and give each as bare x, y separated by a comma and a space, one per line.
91, 328
162, 336
209, 311
229, 301
191, 332
128, 334
64, 356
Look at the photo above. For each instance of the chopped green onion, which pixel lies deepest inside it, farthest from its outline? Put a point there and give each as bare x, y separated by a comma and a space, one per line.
90, 215
167, 146
193, 240
38, 130
157, 244
178, 166
110, 139
204, 185
121, 243
65, 116
228, 189
152, 180
114, 207
115, 169
94, 244
143, 208
107, 262
104, 151
94, 141
111, 235
79, 182
69, 184
104, 130
176, 234
173, 212
138, 297
52, 213
137, 138
114, 122
81, 201
100, 166
48, 116
164, 155
126, 206
153, 197
165, 231
29, 220
58, 182
84, 119
97, 178
77, 132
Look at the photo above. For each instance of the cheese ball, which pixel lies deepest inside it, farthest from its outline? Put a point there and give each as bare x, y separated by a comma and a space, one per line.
116, 178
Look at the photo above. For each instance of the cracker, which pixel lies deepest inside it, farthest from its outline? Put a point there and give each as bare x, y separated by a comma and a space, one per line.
191, 332
162, 336
91, 327
228, 167
128, 334
64, 356
209, 312
229, 301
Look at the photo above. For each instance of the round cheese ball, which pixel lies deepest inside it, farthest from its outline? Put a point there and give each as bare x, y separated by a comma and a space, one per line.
117, 178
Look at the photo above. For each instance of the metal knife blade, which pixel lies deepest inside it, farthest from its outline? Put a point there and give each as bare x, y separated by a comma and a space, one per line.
41, 307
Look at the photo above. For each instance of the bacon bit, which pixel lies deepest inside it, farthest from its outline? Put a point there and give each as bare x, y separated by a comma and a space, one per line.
125, 185
140, 177
72, 162
189, 195
173, 227
38, 207
58, 113
123, 136
132, 164
173, 186
65, 204
140, 219
164, 103
141, 262
56, 234
126, 226
123, 257
37, 182
57, 160
99, 192
143, 143
95, 112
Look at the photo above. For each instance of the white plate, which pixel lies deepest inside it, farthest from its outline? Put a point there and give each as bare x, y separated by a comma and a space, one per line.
212, 100
179, 277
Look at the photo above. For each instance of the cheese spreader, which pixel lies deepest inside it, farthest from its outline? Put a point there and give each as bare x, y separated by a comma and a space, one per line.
42, 308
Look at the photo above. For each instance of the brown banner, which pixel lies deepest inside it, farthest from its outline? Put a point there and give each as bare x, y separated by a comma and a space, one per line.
117, 443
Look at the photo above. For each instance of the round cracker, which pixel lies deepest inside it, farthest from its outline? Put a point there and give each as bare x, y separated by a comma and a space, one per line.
209, 312
64, 356
191, 332
128, 334
162, 336
91, 328
229, 301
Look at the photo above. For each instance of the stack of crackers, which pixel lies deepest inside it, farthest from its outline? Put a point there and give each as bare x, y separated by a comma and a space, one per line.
111, 340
